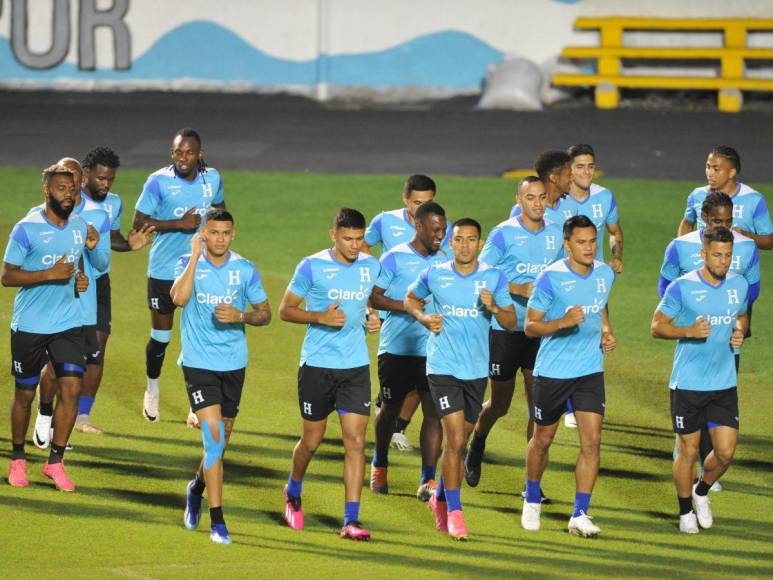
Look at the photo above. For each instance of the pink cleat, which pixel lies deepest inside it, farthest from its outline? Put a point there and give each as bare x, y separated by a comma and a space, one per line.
457, 529
354, 531
17, 475
440, 511
56, 472
293, 512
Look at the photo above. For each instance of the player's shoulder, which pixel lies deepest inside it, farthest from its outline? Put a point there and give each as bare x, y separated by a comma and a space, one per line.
36, 209
442, 267
747, 191
35, 215
163, 173
77, 222
602, 269
739, 238
364, 259
557, 267
93, 205
599, 190
113, 198
236, 259
552, 227
699, 192
210, 172
489, 270
317, 257
511, 222
693, 237
392, 215
403, 248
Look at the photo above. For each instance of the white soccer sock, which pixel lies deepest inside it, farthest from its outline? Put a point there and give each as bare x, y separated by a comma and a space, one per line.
152, 388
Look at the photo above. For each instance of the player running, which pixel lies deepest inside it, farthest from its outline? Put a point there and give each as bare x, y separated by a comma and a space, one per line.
43, 258
521, 247
402, 352
213, 287
705, 311
567, 309
334, 372
173, 200
466, 294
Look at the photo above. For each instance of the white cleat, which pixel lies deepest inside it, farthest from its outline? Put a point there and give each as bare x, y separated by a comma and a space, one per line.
192, 420
716, 486
150, 407
84, 425
702, 505
400, 442
42, 436
570, 421
530, 516
583, 526
688, 523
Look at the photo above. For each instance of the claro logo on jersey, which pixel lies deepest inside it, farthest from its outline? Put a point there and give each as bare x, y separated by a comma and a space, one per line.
51, 259
180, 211
725, 320
529, 268
595, 308
216, 299
341, 294
460, 312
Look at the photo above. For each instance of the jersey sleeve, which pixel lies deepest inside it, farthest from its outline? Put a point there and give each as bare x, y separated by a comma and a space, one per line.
373, 233
752, 273
179, 267
671, 303
494, 248
689, 212
420, 286
501, 292
256, 294
670, 269
18, 246
542, 295
388, 270
150, 198
515, 211
99, 256
116, 224
302, 279
219, 197
612, 217
761, 219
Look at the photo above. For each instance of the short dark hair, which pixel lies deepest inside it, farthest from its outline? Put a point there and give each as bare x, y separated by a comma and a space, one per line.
717, 234
429, 208
577, 221
419, 182
101, 156
730, 154
467, 222
714, 199
550, 162
218, 214
581, 149
349, 218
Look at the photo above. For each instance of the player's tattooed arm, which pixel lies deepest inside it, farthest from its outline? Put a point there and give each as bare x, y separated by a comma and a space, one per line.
536, 326
685, 227
616, 244
136, 240
182, 288
259, 316
13, 276
290, 311
415, 307
380, 301
190, 222
663, 327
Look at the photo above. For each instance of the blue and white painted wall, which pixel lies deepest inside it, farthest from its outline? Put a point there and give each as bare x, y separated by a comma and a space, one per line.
315, 47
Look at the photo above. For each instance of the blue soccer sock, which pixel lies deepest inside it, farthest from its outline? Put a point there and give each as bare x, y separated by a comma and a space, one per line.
351, 512
428, 473
533, 493
581, 503
294, 487
454, 499
440, 492
380, 459
85, 404
569, 406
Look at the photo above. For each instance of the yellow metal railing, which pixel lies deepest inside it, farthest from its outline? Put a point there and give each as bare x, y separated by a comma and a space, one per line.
609, 77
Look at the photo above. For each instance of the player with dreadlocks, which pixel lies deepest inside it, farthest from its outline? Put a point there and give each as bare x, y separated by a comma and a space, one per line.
172, 201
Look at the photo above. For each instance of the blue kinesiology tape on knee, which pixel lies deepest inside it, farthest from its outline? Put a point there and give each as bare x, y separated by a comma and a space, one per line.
213, 450
161, 335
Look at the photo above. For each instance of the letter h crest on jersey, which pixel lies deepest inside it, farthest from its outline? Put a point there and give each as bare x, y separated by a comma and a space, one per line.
234, 278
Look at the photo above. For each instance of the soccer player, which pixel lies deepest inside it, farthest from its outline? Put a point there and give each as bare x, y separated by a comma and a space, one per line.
750, 211
705, 311
173, 200
466, 295
521, 247
567, 309
390, 228
684, 255
43, 258
213, 287
553, 168
100, 166
334, 372
402, 352
596, 202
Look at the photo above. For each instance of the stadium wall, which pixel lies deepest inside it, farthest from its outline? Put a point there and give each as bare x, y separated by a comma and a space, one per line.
320, 48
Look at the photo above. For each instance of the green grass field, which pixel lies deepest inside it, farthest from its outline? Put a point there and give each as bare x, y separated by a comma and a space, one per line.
126, 517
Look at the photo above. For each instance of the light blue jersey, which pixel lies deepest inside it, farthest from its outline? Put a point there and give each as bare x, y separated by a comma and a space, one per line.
36, 244
401, 333
461, 348
750, 210
390, 228
206, 343
167, 196
522, 254
113, 205
684, 255
573, 352
601, 207
706, 364
566, 207
322, 280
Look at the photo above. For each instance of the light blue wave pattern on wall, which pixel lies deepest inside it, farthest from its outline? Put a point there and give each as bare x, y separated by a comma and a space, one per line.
206, 51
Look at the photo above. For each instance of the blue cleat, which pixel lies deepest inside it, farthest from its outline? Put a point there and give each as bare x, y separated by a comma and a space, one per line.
219, 534
192, 508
